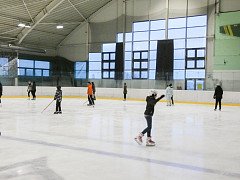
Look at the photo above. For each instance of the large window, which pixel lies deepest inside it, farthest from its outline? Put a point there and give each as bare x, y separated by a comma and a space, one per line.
140, 65
3, 66
33, 68
140, 49
95, 65
108, 61
81, 70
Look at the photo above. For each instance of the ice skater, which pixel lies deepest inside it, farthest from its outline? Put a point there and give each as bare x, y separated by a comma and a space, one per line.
90, 93
169, 94
58, 98
94, 91
218, 96
29, 89
1, 90
124, 92
172, 93
148, 114
34, 89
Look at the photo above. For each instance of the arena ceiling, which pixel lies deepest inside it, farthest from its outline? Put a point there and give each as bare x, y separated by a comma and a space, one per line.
41, 17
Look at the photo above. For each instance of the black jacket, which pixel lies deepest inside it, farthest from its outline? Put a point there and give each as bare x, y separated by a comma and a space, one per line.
218, 92
151, 102
58, 95
1, 89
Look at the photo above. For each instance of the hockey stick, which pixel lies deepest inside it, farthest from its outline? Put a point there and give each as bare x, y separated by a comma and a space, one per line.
47, 106
85, 102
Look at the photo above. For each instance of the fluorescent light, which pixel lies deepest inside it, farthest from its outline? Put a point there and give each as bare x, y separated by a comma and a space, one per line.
59, 27
21, 25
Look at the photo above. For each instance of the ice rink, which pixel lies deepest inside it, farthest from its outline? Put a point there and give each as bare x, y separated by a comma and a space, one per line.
193, 142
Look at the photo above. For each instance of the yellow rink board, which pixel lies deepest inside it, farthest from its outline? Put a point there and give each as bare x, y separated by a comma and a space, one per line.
129, 99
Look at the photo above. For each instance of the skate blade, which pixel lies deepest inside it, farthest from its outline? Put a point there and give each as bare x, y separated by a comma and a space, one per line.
150, 144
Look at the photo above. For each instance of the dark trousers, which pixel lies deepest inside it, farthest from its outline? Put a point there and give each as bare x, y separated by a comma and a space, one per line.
0, 98
90, 100
58, 106
33, 94
218, 100
29, 93
149, 126
172, 100
124, 96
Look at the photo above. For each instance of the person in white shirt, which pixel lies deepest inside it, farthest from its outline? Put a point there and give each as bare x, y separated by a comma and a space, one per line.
169, 94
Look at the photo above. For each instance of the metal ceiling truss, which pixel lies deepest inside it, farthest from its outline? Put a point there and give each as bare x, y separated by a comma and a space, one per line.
77, 11
88, 20
28, 11
44, 13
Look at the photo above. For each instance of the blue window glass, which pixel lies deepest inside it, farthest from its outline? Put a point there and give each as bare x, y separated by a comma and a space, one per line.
179, 64
144, 74
190, 64
128, 46
196, 43
25, 63
179, 53
128, 65
200, 64
153, 55
179, 43
111, 47
128, 55
152, 64
38, 72
177, 23
158, 24
46, 73
197, 21
94, 74
42, 64
95, 57
105, 74
157, 35
81, 66
141, 26
120, 37
21, 72
176, 33
140, 46
128, 74
196, 32
152, 74
3, 66
195, 73
144, 65
29, 72
141, 36
153, 45
201, 53
128, 37
178, 74
94, 66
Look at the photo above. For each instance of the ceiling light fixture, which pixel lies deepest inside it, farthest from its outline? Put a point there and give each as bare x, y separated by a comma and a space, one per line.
27, 26
21, 25
59, 27
24, 25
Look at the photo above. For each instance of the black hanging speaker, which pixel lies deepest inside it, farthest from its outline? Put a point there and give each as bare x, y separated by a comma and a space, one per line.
119, 62
164, 64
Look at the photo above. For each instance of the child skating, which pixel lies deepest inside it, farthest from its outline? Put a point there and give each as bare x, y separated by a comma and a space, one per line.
151, 102
58, 98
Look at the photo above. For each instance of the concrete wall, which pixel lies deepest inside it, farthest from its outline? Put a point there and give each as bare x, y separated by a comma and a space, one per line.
179, 95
